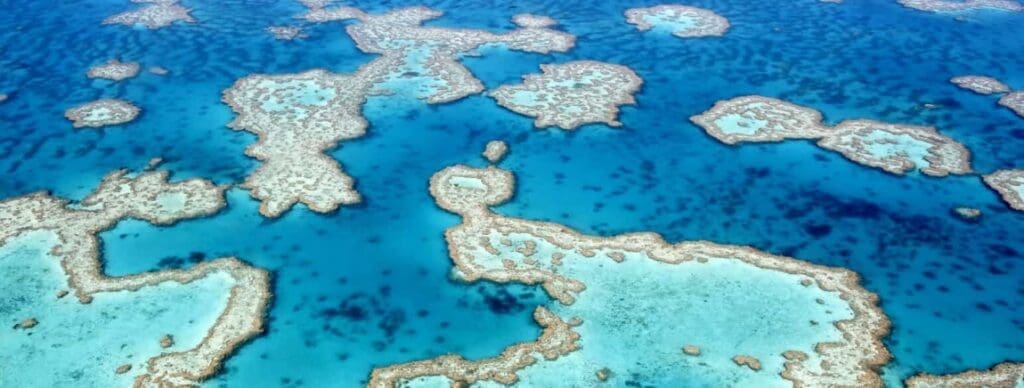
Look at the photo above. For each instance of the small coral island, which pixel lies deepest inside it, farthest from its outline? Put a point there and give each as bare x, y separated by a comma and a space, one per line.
680, 20
894, 148
114, 70
572, 94
626, 305
101, 113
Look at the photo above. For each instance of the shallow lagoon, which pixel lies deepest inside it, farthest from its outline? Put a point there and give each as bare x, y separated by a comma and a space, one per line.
658, 172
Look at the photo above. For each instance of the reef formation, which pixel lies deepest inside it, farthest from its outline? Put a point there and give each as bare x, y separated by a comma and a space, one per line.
980, 84
1010, 186
114, 70
1013, 100
961, 5
627, 304
682, 21
147, 196
1005, 375
298, 117
572, 94
894, 148
286, 32
102, 113
153, 14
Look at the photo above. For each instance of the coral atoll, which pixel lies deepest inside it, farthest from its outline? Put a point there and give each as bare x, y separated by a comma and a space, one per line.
572, 94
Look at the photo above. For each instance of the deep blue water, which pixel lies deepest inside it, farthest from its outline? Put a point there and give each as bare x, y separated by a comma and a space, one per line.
368, 285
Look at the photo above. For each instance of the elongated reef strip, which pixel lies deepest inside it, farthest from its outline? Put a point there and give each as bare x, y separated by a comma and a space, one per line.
300, 117
1010, 186
959, 6
556, 340
101, 113
980, 84
120, 196
1005, 375
114, 70
685, 21
852, 360
153, 14
572, 94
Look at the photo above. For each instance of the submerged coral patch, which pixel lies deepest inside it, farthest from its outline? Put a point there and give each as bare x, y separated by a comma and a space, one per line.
153, 14
286, 32
628, 303
101, 113
114, 70
572, 94
894, 148
680, 20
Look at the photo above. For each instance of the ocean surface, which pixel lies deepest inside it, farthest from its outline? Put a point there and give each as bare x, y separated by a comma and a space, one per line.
369, 285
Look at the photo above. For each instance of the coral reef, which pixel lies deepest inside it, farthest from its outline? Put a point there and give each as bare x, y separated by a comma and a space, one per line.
682, 21
572, 94
893, 148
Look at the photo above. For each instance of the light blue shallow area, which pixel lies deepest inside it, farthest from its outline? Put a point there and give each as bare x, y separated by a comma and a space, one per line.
952, 289
75, 344
638, 315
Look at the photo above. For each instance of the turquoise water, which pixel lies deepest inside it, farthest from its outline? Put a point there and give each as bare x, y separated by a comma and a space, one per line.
83, 345
368, 285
